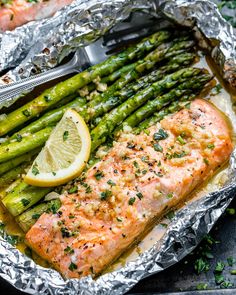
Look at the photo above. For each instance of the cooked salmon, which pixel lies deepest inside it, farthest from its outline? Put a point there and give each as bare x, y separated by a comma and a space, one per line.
14, 13
140, 178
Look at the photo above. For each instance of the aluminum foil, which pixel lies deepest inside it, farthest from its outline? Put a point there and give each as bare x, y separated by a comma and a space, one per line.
194, 220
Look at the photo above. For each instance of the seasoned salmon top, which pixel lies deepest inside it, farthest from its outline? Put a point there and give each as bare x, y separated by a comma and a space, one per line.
140, 178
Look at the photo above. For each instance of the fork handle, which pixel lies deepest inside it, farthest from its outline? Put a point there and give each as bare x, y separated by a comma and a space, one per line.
20, 86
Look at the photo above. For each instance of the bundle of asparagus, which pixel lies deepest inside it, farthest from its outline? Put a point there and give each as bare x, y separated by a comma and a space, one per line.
141, 86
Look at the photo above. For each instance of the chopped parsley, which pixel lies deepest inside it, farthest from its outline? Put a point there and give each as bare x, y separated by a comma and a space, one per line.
119, 219
98, 175
139, 195
111, 183
72, 266
176, 155
35, 170
226, 284
219, 278
25, 202
187, 106
136, 165
106, 194
201, 265
211, 146
160, 135
130, 145
231, 261
169, 196
53, 209
131, 201
69, 250
13, 240
231, 211
206, 161
18, 137
73, 190
65, 135
157, 147
65, 232
181, 140
219, 267
36, 216
46, 97
145, 159
216, 90
164, 225
170, 215
179, 155
202, 286
88, 189
159, 174
26, 113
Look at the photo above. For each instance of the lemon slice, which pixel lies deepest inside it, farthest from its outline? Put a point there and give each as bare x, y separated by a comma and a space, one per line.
65, 153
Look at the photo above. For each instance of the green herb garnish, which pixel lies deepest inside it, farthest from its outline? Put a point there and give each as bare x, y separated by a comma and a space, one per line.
72, 266
157, 147
65, 135
26, 113
25, 202
35, 170
131, 201
69, 250
73, 190
160, 135
98, 175
106, 194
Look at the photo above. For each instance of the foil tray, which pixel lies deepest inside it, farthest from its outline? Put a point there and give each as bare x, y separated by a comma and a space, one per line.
190, 223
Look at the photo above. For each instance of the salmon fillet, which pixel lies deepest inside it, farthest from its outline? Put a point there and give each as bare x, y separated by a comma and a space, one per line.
18, 12
136, 182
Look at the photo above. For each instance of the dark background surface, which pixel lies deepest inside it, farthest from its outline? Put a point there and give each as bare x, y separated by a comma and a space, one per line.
182, 276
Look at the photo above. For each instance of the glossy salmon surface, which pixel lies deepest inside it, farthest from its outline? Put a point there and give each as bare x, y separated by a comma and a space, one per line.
18, 12
140, 178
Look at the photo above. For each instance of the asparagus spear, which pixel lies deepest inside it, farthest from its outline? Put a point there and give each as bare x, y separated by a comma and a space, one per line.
50, 118
174, 64
111, 97
19, 200
117, 74
6, 166
159, 115
108, 123
10, 188
15, 149
11, 175
152, 106
27, 219
56, 93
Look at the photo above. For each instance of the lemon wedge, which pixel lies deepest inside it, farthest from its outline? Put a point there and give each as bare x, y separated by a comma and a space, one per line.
64, 155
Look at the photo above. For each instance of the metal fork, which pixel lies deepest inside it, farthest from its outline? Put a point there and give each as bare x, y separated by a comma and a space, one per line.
123, 33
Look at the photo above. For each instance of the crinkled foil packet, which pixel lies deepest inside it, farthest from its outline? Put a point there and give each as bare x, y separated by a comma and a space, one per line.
80, 24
